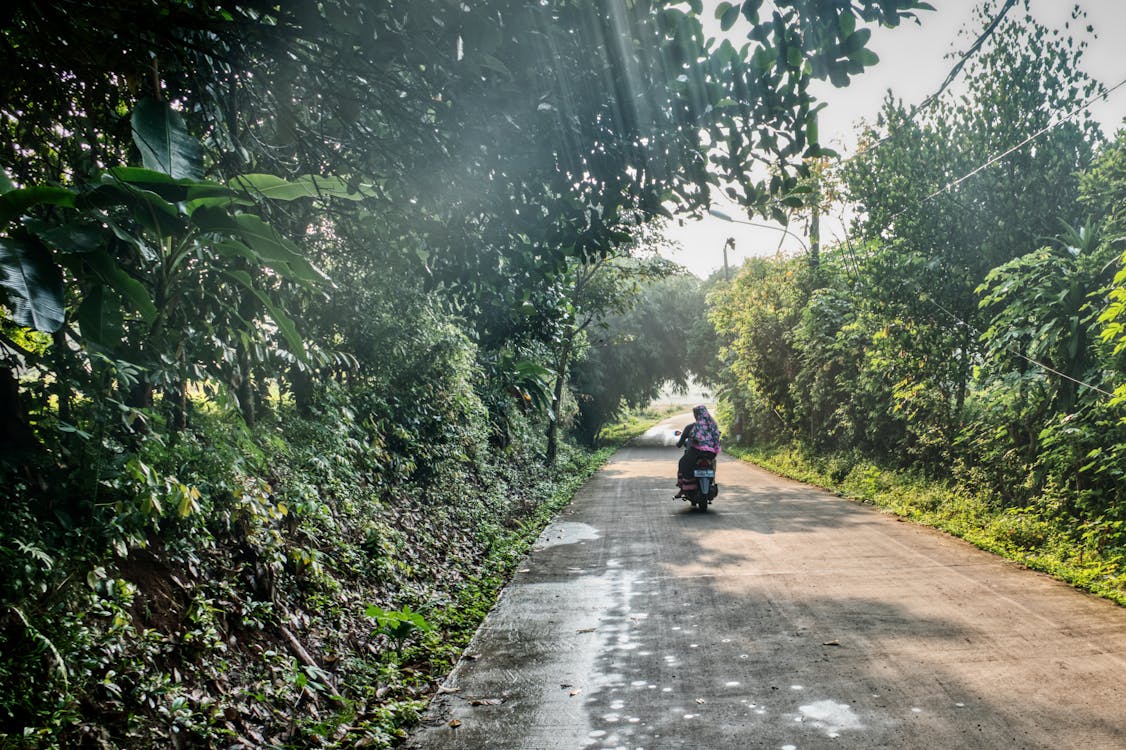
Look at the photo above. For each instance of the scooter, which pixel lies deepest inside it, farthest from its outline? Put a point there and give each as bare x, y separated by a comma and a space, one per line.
701, 488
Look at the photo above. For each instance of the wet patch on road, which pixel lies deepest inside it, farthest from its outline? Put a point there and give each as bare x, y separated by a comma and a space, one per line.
566, 532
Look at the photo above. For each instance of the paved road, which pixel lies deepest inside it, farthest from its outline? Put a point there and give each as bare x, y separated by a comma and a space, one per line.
782, 618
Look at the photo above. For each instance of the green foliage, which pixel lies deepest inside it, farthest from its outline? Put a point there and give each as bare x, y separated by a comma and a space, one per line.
635, 352
398, 625
972, 329
34, 285
756, 315
213, 454
935, 237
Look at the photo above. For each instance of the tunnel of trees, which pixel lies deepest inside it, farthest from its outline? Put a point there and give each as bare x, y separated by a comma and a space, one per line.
302, 306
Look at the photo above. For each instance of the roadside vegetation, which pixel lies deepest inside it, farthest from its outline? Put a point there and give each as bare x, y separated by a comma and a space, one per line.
1038, 540
958, 359
312, 313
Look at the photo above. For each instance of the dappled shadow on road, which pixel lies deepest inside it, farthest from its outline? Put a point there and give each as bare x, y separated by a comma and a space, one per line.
748, 636
744, 673
770, 505
782, 617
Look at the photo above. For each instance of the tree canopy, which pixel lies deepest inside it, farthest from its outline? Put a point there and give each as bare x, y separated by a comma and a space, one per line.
970, 327
277, 278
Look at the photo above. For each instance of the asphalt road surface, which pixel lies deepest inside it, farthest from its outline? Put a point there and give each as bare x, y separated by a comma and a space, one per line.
783, 617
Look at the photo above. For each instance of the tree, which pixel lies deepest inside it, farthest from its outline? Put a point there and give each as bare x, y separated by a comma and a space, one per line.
638, 351
756, 315
595, 290
947, 212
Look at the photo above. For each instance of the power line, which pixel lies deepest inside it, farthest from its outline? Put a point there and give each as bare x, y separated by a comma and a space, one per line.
1019, 354
1050, 126
951, 185
954, 71
965, 58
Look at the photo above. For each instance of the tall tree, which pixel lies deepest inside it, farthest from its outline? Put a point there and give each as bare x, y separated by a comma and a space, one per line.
966, 186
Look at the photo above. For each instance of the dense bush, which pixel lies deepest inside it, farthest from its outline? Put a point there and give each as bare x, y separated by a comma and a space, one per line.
971, 329
239, 606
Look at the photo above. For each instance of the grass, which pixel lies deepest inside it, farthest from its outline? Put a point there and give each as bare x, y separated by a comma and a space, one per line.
633, 424
1030, 536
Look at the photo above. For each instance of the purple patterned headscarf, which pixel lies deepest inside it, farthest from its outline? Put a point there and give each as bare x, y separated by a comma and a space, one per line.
705, 436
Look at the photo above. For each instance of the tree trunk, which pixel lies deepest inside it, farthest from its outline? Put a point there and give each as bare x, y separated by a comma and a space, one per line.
140, 396
561, 363
964, 371
16, 435
179, 401
246, 395
62, 376
815, 237
301, 381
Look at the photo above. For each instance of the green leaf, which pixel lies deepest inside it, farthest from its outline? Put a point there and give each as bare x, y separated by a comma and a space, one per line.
163, 140
147, 208
272, 247
15, 203
71, 238
34, 284
847, 23
865, 57
284, 322
125, 285
100, 318
306, 186
727, 15
6, 185
764, 58
251, 238
169, 188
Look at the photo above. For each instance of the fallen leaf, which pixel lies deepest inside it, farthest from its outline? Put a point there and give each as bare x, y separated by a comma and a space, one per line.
454, 723
586, 630
565, 685
831, 643
443, 690
701, 700
575, 692
472, 657
485, 702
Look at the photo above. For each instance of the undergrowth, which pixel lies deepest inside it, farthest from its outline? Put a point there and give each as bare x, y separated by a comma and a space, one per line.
299, 584
1037, 536
635, 423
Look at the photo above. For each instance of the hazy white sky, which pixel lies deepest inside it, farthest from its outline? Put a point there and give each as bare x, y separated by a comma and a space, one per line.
913, 65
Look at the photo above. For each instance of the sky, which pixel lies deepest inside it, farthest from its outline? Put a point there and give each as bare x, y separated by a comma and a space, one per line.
913, 65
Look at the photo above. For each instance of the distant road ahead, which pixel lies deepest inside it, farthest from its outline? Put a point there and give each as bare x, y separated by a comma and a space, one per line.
783, 618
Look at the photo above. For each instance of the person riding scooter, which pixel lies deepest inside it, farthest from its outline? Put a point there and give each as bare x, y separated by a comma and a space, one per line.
699, 439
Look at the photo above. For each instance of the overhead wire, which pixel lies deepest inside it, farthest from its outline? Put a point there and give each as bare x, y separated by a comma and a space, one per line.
1050, 126
953, 74
951, 185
